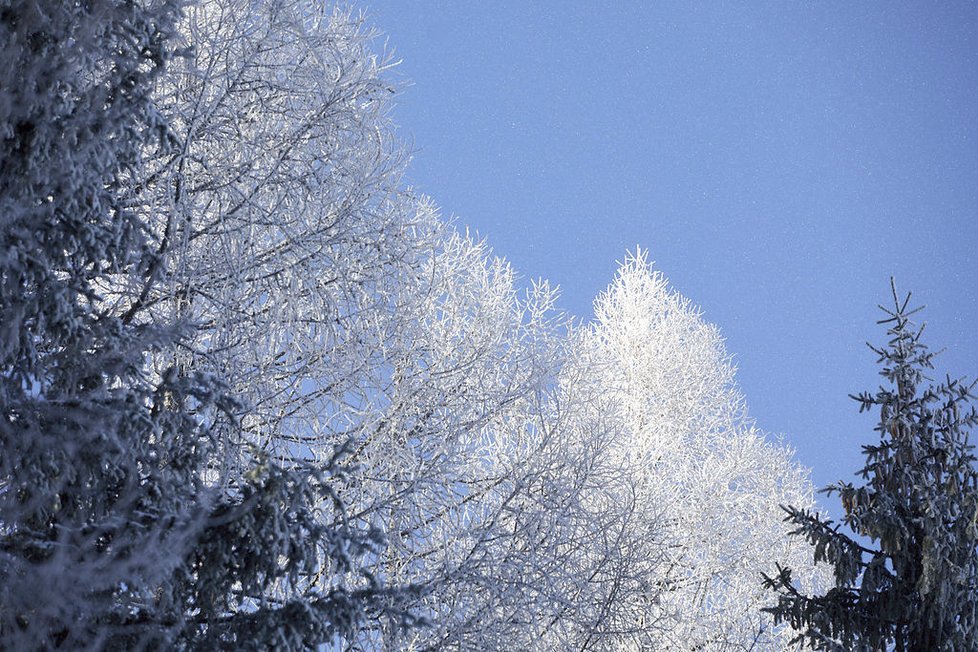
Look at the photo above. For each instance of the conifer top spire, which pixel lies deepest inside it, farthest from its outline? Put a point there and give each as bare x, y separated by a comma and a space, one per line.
916, 586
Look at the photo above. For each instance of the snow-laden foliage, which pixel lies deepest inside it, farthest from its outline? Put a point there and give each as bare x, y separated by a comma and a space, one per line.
347, 312
343, 308
916, 586
233, 224
289, 239
115, 533
90, 523
707, 484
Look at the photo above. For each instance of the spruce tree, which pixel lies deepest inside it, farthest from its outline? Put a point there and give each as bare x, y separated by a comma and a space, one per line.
909, 580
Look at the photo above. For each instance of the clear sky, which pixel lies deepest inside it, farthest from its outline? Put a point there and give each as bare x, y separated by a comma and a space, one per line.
779, 161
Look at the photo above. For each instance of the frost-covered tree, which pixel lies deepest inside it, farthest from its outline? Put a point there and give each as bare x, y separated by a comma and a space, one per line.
707, 484
344, 309
289, 237
527, 500
909, 581
333, 300
81, 536
115, 529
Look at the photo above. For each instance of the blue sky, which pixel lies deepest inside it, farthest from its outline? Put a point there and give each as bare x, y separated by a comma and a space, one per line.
779, 161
